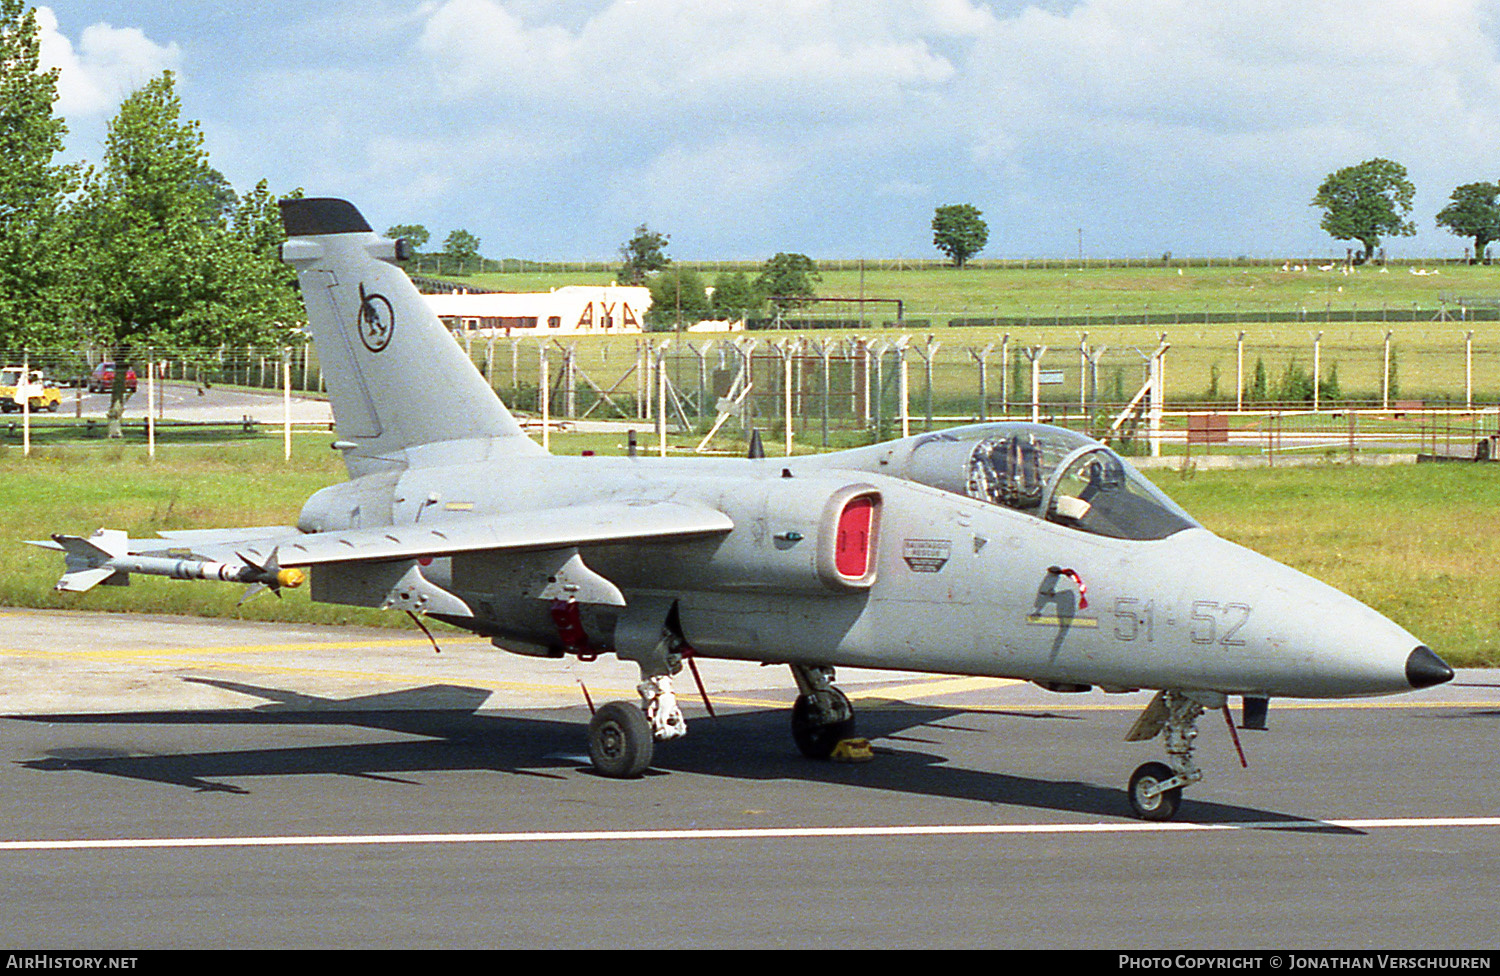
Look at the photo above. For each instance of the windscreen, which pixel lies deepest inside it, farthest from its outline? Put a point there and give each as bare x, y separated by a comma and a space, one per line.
1097, 492
1069, 479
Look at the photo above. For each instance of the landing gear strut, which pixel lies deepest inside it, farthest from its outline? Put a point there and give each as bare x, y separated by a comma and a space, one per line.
822, 716
623, 736
1156, 789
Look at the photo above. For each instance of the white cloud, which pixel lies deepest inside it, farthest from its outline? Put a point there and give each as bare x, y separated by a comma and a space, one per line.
832, 126
107, 64
643, 58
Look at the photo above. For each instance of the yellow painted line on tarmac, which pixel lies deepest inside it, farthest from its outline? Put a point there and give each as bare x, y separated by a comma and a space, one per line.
936, 686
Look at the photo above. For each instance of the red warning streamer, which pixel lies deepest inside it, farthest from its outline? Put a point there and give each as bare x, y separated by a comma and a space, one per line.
1083, 600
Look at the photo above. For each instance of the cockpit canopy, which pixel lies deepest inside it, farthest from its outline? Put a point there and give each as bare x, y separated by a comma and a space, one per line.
1050, 473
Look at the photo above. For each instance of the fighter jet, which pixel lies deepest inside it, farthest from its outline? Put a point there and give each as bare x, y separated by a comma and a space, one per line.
1009, 550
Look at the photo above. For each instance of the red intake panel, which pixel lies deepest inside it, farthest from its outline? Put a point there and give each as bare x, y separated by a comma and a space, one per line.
851, 555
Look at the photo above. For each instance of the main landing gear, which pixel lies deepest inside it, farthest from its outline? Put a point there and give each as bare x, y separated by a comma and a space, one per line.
622, 735
822, 716
1156, 788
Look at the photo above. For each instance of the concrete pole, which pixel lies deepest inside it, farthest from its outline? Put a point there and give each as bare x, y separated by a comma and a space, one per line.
1005, 375
1317, 370
661, 398
1083, 373
1468, 370
24, 388
905, 381
1239, 372
544, 395
286, 403
151, 402
1385, 379
927, 356
786, 395
1035, 354
1158, 393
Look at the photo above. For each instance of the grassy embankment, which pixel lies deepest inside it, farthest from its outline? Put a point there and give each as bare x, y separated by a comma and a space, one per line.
1415, 542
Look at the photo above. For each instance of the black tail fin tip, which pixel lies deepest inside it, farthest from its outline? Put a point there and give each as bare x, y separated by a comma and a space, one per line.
311, 216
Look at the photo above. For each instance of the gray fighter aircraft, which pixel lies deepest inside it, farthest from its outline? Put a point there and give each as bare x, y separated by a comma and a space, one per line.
1010, 550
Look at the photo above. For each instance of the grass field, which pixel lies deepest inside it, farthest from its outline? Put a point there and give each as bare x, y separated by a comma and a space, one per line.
1417, 542
940, 293
1429, 354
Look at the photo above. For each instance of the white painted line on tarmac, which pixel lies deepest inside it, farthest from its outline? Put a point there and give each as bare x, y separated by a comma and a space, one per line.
746, 833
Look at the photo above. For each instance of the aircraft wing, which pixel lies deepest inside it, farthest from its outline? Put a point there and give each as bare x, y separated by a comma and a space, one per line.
244, 555
552, 528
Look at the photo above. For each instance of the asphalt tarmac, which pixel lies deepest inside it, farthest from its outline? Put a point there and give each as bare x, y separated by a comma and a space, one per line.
183, 783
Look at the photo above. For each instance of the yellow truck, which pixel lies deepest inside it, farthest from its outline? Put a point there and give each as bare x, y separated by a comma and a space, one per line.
16, 390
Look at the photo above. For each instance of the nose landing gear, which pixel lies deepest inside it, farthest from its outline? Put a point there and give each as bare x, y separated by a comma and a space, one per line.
1155, 790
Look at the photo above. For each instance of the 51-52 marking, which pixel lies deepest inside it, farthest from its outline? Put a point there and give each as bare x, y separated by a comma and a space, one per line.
1211, 622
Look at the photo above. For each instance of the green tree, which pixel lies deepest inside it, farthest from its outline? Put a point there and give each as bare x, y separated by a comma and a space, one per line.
1295, 385
165, 264
734, 296
256, 299
1473, 211
643, 255
415, 234
1366, 202
1260, 385
788, 280
462, 248
678, 300
1329, 388
958, 232
33, 237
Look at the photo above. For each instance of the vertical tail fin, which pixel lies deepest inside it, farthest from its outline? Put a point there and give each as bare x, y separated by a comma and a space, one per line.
396, 378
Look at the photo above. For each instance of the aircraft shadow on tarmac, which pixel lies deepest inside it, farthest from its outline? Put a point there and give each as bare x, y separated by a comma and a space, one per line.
550, 743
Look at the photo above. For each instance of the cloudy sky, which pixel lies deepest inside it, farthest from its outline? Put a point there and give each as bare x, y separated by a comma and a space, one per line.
551, 129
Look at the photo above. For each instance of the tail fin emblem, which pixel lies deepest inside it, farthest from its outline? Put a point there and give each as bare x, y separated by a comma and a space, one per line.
377, 320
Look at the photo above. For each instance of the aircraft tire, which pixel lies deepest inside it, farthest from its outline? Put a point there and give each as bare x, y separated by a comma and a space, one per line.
620, 741
1164, 805
817, 740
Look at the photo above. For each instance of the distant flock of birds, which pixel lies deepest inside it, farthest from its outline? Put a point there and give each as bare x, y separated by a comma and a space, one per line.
1345, 269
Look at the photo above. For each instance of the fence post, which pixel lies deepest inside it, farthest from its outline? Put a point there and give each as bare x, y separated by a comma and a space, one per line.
1158, 380
544, 394
286, 402
825, 348
1035, 354
1385, 379
661, 395
1317, 370
1005, 375
1469, 370
982, 358
927, 356
1239, 372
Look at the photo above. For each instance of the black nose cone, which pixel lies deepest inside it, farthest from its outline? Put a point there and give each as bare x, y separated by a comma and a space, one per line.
1425, 669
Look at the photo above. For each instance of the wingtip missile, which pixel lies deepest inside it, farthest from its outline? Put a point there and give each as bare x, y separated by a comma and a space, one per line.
106, 557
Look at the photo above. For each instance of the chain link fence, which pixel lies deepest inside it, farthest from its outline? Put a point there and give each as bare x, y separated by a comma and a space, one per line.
818, 388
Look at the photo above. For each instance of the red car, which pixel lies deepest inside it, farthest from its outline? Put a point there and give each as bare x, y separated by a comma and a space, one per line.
102, 380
